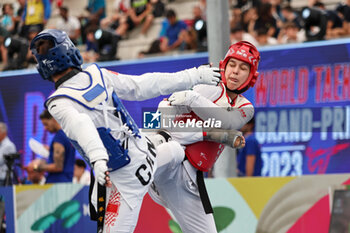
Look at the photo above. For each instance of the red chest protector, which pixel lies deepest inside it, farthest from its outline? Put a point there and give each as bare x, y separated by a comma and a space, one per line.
202, 155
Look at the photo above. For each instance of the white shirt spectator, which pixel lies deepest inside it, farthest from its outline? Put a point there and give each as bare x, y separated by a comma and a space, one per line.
84, 179
266, 40
122, 5
70, 26
299, 37
246, 37
6, 147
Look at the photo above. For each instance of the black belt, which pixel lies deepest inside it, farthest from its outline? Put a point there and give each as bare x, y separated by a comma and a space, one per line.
203, 194
101, 203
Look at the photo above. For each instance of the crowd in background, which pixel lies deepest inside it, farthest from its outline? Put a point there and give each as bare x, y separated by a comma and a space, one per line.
261, 22
272, 22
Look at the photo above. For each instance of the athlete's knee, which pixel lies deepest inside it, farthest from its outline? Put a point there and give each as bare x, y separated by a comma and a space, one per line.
170, 153
160, 137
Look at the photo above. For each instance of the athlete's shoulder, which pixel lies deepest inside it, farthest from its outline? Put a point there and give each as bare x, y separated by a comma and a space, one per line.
209, 91
109, 73
241, 101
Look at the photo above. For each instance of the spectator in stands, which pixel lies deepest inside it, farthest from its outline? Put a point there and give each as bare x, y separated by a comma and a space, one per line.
203, 6
36, 13
276, 14
91, 53
96, 12
249, 158
69, 24
289, 15
238, 34
7, 20
18, 16
60, 164
6, 147
157, 10
33, 31
81, 175
195, 37
315, 23
3, 50
197, 14
343, 11
97, 9
263, 38
247, 4
137, 13
120, 9
249, 17
265, 21
290, 33
335, 27
241, 4
236, 17
173, 32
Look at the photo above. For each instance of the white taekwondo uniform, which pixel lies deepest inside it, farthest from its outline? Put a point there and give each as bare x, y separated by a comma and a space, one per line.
175, 183
86, 103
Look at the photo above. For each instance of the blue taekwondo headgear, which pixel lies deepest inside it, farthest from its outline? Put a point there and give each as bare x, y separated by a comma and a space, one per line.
61, 56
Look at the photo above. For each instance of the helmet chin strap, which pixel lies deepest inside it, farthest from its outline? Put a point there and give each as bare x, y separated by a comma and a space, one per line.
237, 91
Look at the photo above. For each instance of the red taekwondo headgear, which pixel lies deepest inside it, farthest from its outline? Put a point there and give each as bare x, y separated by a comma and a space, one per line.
246, 52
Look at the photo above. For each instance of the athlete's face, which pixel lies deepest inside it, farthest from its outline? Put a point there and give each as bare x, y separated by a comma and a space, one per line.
42, 46
236, 73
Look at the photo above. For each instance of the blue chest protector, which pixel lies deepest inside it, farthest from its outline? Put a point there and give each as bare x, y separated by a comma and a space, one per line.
118, 155
92, 96
125, 115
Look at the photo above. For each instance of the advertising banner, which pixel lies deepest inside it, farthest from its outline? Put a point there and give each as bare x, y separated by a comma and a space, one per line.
302, 117
7, 211
264, 204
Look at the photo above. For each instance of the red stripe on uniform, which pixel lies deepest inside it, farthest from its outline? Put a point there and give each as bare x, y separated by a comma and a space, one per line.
245, 105
222, 92
113, 72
